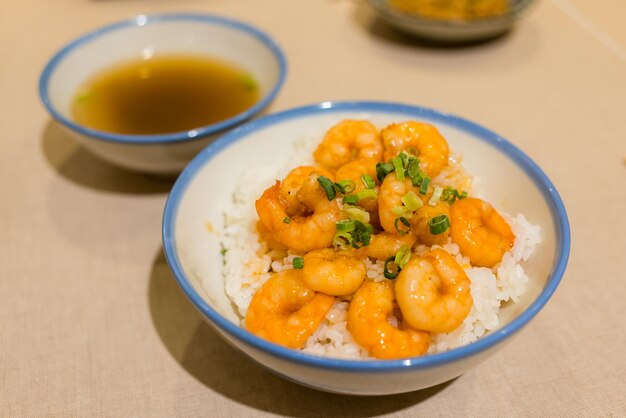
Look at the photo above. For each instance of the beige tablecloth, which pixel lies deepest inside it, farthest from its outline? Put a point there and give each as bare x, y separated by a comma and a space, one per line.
93, 324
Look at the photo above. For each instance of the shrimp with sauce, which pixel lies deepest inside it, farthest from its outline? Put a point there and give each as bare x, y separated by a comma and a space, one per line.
354, 170
301, 233
480, 231
386, 244
333, 272
349, 140
390, 197
292, 183
285, 311
368, 322
421, 139
433, 292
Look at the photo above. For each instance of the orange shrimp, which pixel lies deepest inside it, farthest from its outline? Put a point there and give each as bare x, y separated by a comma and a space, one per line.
291, 185
386, 244
353, 171
422, 216
390, 197
349, 140
418, 138
368, 315
300, 233
333, 272
480, 232
285, 311
433, 292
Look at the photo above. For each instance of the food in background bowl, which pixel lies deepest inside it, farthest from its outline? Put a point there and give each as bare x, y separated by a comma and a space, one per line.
374, 246
452, 9
193, 230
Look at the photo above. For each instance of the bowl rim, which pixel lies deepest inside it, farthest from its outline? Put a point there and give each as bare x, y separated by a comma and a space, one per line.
515, 10
152, 19
546, 187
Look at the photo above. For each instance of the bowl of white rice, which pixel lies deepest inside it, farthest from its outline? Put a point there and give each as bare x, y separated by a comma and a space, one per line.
210, 245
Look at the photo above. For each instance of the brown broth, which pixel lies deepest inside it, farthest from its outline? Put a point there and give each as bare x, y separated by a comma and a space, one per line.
163, 95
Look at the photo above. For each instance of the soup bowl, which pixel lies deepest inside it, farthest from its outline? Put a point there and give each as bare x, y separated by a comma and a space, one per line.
141, 38
193, 229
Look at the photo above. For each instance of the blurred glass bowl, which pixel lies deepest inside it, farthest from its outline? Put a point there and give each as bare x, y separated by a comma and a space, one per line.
451, 30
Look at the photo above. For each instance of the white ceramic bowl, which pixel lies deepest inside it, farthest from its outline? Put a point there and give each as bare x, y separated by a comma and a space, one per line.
508, 179
452, 30
141, 37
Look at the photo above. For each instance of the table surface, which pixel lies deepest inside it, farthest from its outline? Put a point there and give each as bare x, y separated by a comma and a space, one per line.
92, 322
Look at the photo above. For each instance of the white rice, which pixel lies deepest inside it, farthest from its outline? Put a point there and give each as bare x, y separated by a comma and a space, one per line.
248, 263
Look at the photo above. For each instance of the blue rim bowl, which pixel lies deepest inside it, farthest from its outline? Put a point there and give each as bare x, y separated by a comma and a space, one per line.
144, 20
489, 340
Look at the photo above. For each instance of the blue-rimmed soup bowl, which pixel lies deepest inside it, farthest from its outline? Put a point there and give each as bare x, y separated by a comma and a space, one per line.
204, 191
141, 38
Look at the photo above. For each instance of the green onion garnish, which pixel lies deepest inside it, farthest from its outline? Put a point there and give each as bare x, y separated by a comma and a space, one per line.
367, 181
345, 186
412, 201
361, 235
367, 194
439, 224
287, 220
342, 240
397, 165
345, 225
327, 186
382, 169
357, 214
402, 211
413, 168
436, 196
402, 256
424, 186
298, 262
391, 270
404, 221
350, 199
463, 195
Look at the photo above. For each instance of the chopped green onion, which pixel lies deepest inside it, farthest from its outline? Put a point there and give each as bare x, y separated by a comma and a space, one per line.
402, 256
413, 167
298, 262
403, 158
350, 199
248, 82
424, 186
382, 169
391, 273
367, 194
362, 234
397, 165
367, 181
287, 220
357, 214
404, 221
463, 195
342, 240
439, 224
402, 211
345, 186
327, 186
345, 225
412, 201
436, 196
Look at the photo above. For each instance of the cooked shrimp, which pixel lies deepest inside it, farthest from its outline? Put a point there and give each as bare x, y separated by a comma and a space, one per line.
333, 272
291, 184
420, 227
285, 311
347, 141
480, 232
269, 239
433, 292
300, 233
390, 197
353, 171
386, 244
368, 322
418, 138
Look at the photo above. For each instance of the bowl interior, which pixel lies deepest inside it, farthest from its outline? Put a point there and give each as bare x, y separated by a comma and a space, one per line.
205, 189
144, 37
